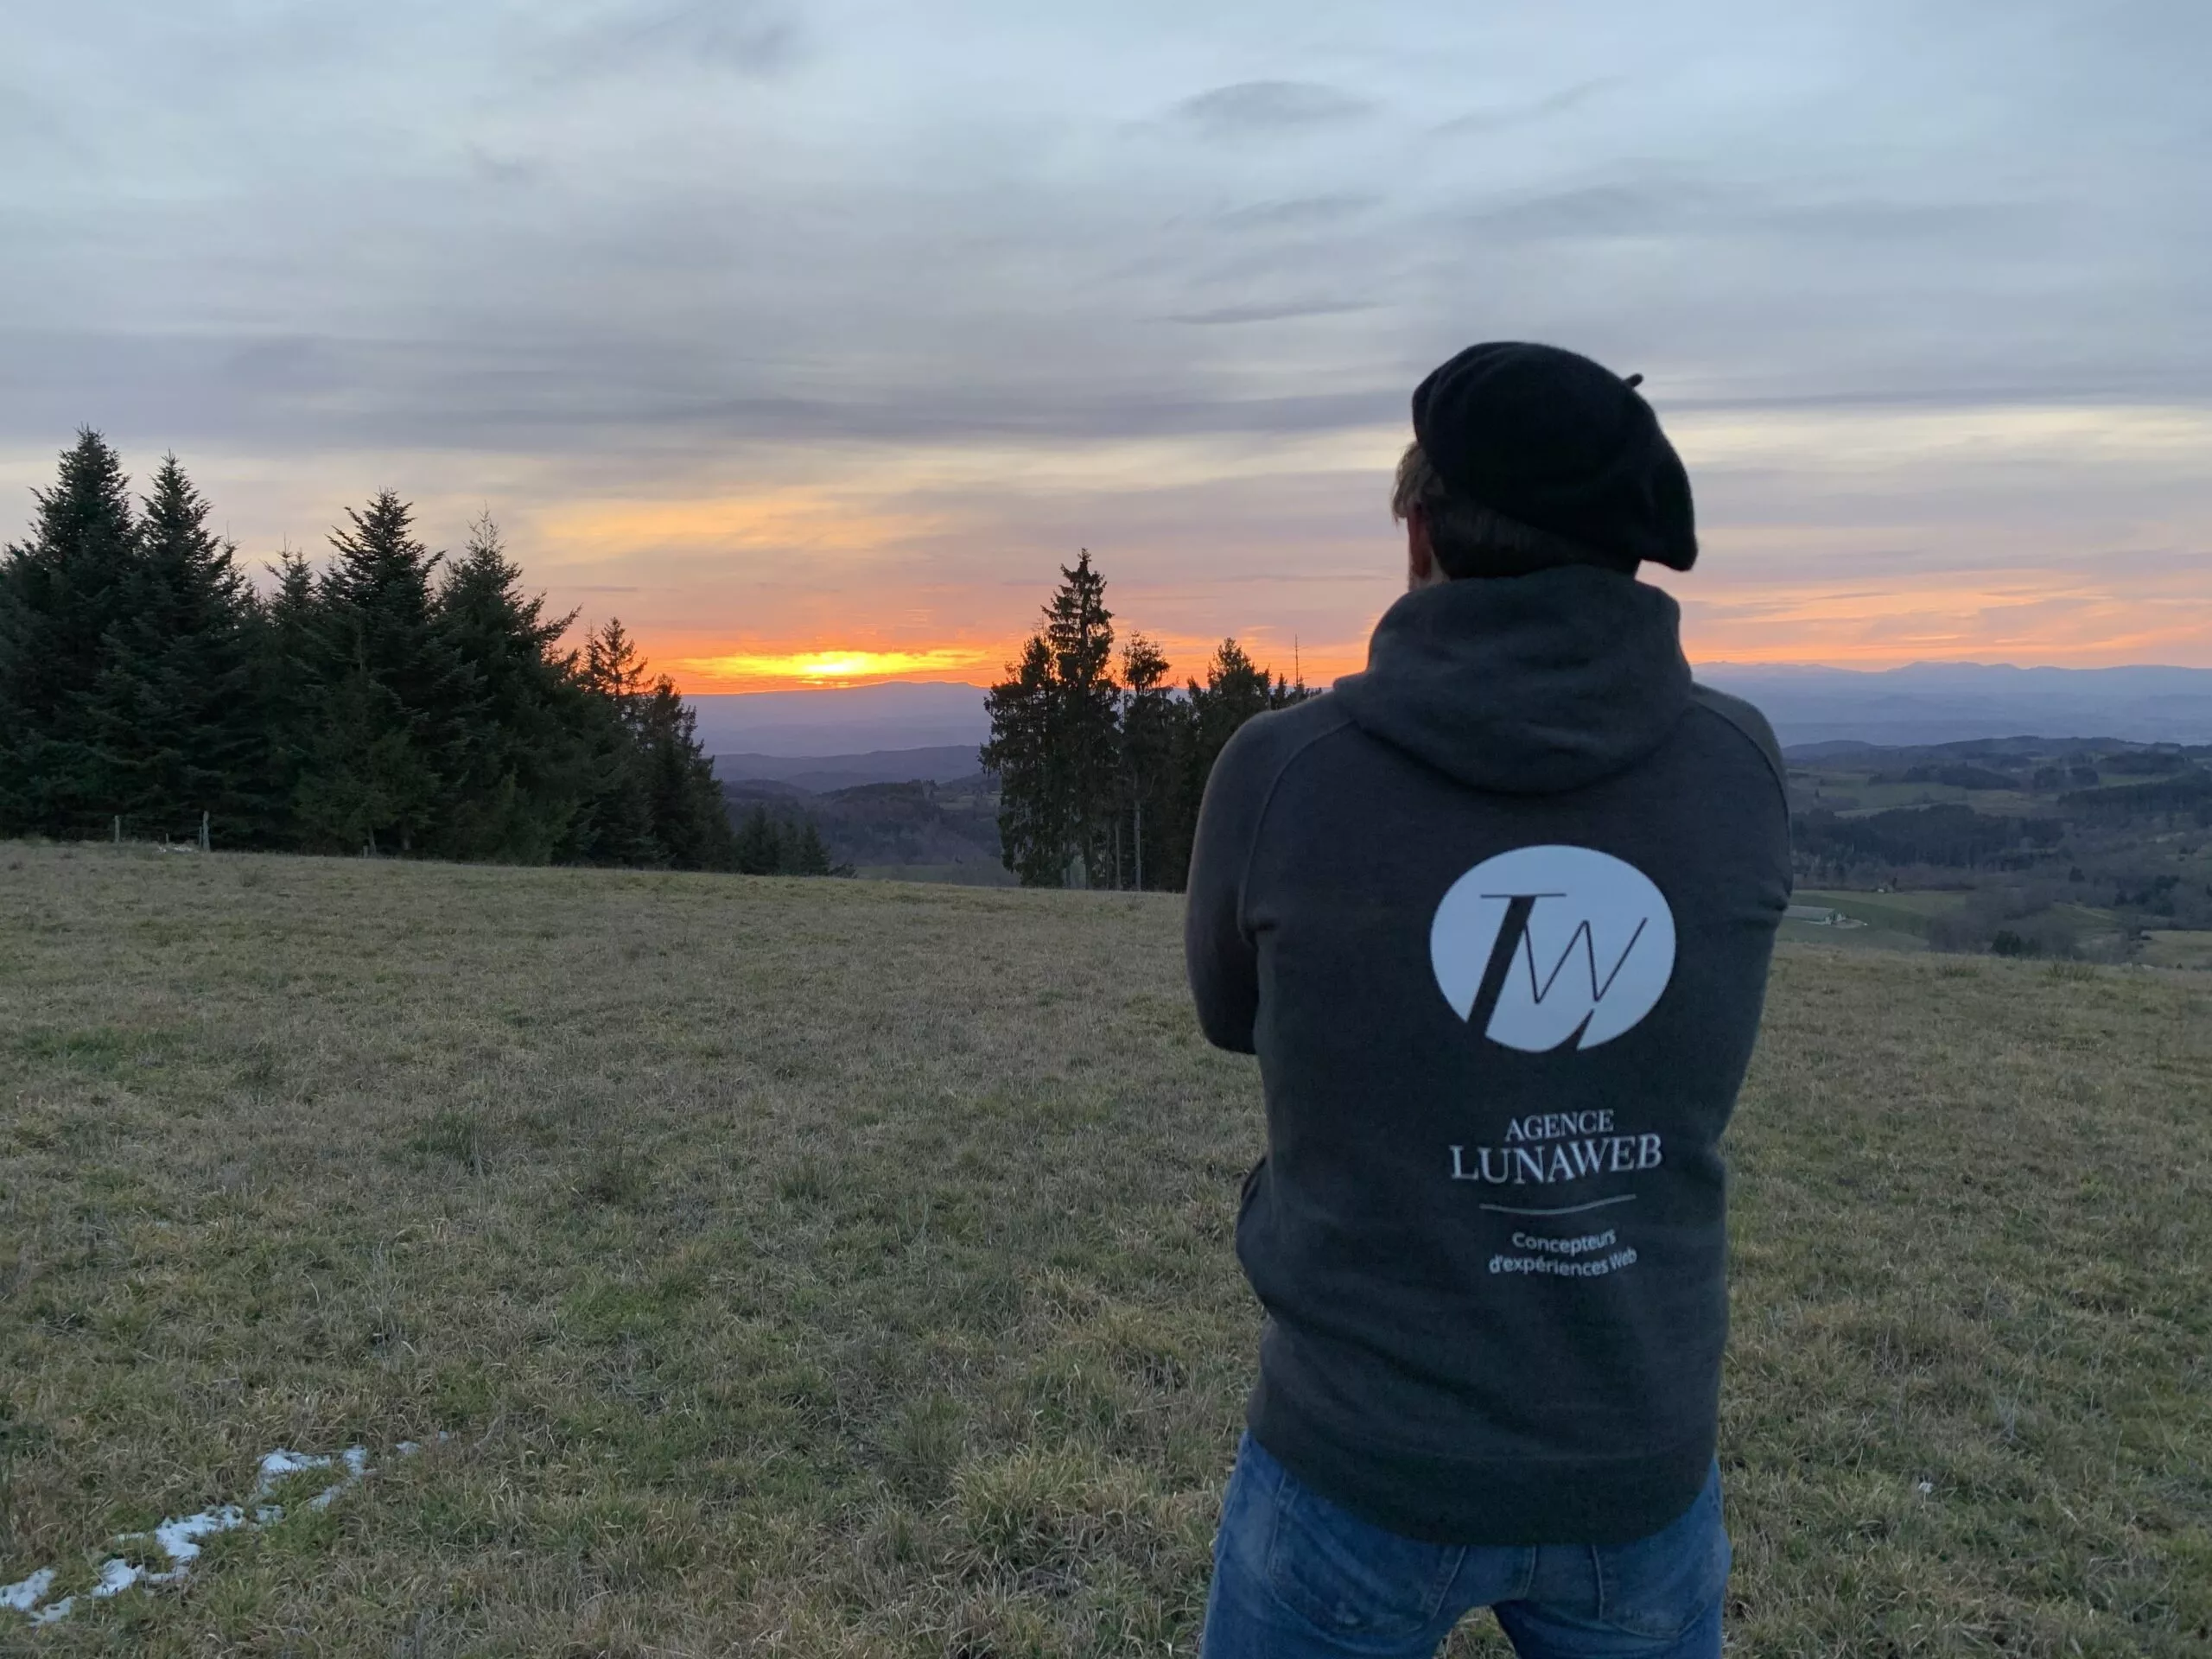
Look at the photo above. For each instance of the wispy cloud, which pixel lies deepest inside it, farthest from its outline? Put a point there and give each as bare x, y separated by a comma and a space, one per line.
1266, 311
1253, 107
1507, 116
753, 38
1299, 213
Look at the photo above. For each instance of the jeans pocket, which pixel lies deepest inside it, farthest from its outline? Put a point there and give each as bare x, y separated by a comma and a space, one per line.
1347, 1577
1660, 1586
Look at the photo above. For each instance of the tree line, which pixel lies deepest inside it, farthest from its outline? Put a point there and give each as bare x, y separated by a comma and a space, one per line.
1950, 834
392, 701
1102, 762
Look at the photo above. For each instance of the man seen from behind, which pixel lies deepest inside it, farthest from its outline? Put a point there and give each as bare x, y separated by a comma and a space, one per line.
1496, 917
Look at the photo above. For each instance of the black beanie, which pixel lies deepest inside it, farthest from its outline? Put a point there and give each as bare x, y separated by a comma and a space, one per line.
1561, 443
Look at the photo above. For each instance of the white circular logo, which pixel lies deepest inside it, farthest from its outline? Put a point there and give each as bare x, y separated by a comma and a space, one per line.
1551, 946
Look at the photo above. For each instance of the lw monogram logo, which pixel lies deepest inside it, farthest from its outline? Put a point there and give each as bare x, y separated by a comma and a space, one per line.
1550, 945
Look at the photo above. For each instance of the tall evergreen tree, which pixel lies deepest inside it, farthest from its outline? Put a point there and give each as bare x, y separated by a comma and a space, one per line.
1054, 741
286, 640
1234, 690
690, 816
652, 799
61, 592
1034, 830
806, 854
393, 693
1080, 630
174, 719
614, 823
1151, 718
759, 844
526, 765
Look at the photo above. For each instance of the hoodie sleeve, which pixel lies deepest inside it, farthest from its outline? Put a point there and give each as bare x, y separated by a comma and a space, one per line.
1222, 959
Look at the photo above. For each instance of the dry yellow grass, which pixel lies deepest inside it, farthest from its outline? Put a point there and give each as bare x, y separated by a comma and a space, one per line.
843, 1269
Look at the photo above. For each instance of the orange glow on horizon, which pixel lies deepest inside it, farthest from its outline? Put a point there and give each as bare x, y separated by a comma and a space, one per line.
2058, 626
823, 668
824, 568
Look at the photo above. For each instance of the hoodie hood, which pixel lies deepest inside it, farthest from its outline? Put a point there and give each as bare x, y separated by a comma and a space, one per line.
1525, 685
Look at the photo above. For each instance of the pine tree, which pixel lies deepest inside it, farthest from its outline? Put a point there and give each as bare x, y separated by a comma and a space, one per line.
1150, 720
652, 799
526, 755
172, 714
287, 637
1087, 710
690, 815
613, 824
61, 592
1235, 689
806, 854
766, 844
1054, 742
759, 844
392, 693
1034, 830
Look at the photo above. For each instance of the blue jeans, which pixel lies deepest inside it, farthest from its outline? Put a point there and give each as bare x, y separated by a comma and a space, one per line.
1296, 1577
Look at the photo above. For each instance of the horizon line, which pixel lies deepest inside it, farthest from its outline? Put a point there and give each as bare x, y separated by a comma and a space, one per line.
1754, 666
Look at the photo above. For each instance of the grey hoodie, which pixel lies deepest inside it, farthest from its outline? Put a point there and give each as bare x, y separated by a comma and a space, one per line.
1496, 917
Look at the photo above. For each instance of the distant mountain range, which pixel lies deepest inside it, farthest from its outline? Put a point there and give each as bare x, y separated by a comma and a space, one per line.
1947, 702
904, 715
819, 774
847, 732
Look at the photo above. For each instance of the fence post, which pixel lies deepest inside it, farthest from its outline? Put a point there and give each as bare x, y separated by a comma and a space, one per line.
203, 834
119, 829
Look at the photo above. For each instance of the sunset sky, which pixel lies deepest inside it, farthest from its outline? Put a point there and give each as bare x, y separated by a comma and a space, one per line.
809, 339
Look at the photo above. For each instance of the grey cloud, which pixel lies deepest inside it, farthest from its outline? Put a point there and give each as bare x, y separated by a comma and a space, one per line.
640, 398
1690, 208
1262, 311
1296, 213
693, 269
1589, 210
747, 37
505, 170
1501, 120
1269, 106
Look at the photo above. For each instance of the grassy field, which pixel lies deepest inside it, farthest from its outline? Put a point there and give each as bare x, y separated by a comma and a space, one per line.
965, 875
1905, 921
2179, 947
843, 1269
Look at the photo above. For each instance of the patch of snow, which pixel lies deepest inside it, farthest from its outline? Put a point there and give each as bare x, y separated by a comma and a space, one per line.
178, 1539
116, 1575
280, 1464
26, 1593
